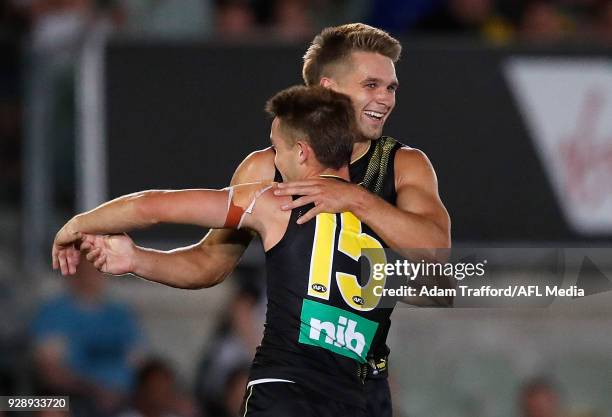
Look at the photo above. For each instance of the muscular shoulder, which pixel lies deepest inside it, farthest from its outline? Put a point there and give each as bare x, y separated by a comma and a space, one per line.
258, 198
244, 194
257, 166
261, 206
413, 167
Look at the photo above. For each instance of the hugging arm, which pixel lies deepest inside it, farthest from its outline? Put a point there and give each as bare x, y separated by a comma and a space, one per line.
201, 265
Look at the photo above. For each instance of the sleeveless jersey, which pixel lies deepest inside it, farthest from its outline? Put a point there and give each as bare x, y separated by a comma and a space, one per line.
320, 324
375, 170
317, 330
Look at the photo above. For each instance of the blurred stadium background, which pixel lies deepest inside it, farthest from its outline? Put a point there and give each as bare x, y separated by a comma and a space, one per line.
511, 100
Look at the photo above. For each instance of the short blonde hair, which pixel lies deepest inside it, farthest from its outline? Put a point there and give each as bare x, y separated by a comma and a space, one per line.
334, 44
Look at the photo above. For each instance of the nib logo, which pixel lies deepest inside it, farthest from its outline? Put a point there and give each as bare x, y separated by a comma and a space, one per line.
345, 333
337, 330
567, 105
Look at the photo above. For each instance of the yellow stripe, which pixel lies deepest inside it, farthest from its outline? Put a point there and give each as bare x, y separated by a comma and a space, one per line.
331, 176
322, 255
246, 403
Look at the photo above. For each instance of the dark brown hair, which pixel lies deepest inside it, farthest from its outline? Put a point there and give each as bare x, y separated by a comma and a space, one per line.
324, 118
335, 44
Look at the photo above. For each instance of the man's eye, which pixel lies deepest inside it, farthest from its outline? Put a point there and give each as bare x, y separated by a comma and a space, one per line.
392, 88
371, 85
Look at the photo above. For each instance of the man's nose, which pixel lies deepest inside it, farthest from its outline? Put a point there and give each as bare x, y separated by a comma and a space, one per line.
386, 97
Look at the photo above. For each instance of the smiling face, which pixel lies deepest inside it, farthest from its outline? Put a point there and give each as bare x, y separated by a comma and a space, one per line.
369, 79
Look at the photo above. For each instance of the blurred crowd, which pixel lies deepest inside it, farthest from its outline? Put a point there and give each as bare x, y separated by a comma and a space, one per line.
86, 344
497, 20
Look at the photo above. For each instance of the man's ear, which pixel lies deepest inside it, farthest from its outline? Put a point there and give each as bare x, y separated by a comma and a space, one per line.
327, 82
304, 151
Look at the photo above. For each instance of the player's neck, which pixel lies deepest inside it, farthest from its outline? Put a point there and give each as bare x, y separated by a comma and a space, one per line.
315, 170
360, 149
342, 173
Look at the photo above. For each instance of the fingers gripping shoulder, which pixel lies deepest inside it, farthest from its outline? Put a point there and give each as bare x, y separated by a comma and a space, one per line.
241, 201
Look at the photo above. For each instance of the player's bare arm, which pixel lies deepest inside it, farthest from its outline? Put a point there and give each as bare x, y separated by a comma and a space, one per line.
140, 210
420, 220
211, 260
208, 208
196, 266
249, 206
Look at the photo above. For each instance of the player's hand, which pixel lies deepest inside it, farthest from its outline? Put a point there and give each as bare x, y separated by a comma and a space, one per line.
110, 254
65, 253
328, 195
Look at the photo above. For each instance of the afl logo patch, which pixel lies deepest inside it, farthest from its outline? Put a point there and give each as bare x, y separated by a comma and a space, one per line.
319, 288
358, 300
